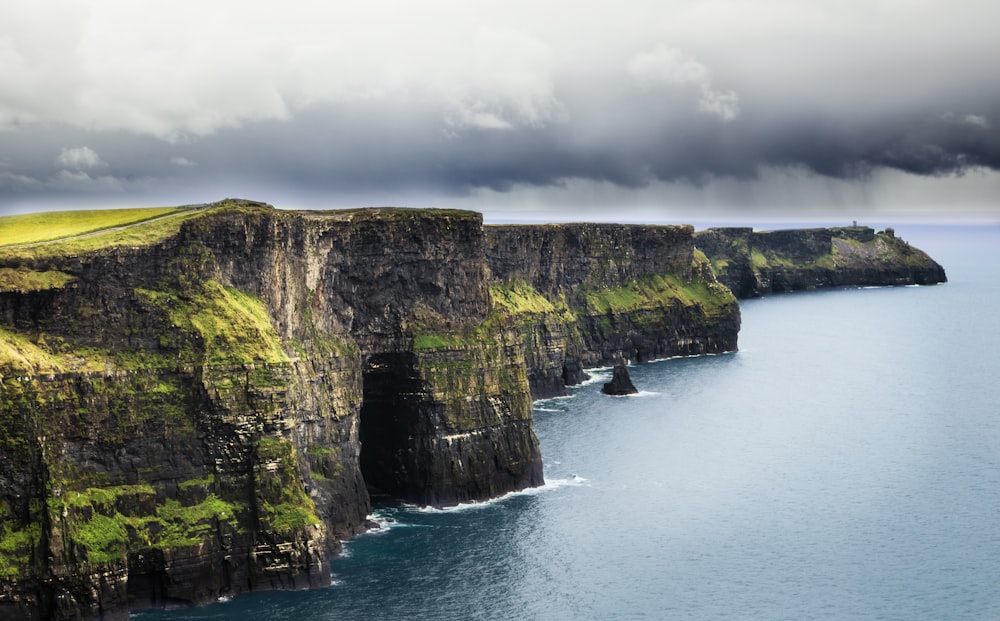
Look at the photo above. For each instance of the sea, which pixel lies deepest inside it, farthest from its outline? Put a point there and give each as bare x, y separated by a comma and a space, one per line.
843, 464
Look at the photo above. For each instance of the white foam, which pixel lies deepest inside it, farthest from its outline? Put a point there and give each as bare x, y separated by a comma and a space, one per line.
600, 374
636, 395
683, 356
387, 521
550, 485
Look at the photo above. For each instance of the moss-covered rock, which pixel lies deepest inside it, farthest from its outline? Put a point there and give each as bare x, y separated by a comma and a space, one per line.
586, 295
193, 404
753, 263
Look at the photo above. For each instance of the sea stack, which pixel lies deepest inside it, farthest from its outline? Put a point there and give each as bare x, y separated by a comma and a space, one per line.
621, 383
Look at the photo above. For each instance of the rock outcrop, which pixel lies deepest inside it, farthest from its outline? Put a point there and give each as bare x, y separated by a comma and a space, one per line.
198, 406
620, 384
754, 263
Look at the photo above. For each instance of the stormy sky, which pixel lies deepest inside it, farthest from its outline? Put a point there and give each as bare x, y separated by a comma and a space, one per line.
633, 110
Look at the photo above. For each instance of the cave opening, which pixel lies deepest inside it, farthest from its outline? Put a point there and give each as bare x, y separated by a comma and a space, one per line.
390, 389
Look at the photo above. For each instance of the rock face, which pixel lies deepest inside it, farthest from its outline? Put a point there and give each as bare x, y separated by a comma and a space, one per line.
620, 384
198, 407
183, 420
587, 295
754, 263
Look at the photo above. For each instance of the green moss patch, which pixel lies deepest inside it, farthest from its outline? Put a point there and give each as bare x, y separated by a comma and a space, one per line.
26, 281
105, 523
519, 297
181, 525
656, 291
16, 547
284, 504
18, 354
232, 326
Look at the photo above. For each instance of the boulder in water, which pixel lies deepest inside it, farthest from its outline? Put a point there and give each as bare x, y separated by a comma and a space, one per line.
621, 383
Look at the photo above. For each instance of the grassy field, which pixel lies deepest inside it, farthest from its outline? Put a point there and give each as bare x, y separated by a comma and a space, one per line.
147, 227
46, 226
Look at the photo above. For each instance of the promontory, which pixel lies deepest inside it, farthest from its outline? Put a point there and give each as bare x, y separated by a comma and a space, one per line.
200, 401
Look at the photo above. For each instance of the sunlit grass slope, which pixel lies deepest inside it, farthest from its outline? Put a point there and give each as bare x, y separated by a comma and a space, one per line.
46, 226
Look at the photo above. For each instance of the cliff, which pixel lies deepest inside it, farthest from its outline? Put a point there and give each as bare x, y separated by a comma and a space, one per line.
588, 295
754, 263
198, 405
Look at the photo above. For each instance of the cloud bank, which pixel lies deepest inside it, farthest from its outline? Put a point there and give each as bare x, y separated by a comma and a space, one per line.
678, 103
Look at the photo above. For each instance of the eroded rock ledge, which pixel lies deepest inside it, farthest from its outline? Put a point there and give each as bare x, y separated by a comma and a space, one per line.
754, 263
198, 406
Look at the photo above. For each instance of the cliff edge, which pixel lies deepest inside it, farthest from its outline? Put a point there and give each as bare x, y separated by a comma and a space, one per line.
197, 402
754, 263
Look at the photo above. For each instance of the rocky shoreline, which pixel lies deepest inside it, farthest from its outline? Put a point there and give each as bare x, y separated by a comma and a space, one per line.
206, 412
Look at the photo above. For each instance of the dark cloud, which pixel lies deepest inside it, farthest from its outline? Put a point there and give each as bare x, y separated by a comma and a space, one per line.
533, 102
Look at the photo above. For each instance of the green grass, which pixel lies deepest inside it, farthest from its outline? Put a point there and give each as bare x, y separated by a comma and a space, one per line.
758, 260
103, 537
18, 354
519, 297
205, 481
433, 341
285, 505
234, 326
230, 326
189, 525
289, 516
655, 291
46, 226
16, 547
98, 525
25, 280
143, 234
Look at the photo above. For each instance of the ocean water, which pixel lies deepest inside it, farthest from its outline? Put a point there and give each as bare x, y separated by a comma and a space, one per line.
844, 464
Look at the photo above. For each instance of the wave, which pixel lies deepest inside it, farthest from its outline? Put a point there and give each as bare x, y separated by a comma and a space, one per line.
599, 374
550, 485
388, 519
638, 395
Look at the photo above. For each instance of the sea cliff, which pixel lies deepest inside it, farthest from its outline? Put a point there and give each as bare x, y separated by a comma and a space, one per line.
754, 263
588, 295
200, 405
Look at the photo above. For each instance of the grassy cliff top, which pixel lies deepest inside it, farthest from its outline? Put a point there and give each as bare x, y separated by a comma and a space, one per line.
67, 233
64, 233
53, 225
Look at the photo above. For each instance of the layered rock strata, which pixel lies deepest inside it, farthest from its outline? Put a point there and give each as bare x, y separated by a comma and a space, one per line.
200, 406
588, 295
182, 419
754, 263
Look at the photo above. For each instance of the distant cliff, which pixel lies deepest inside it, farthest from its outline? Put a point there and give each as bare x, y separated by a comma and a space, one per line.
197, 406
754, 263
586, 295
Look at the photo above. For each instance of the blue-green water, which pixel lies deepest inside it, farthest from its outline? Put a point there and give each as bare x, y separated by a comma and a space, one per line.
844, 464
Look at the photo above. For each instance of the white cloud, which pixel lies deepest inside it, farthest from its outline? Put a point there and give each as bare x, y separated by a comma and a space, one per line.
723, 104
284, 93
80, 158
666, 66
478, 115
80, 181
189, 68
